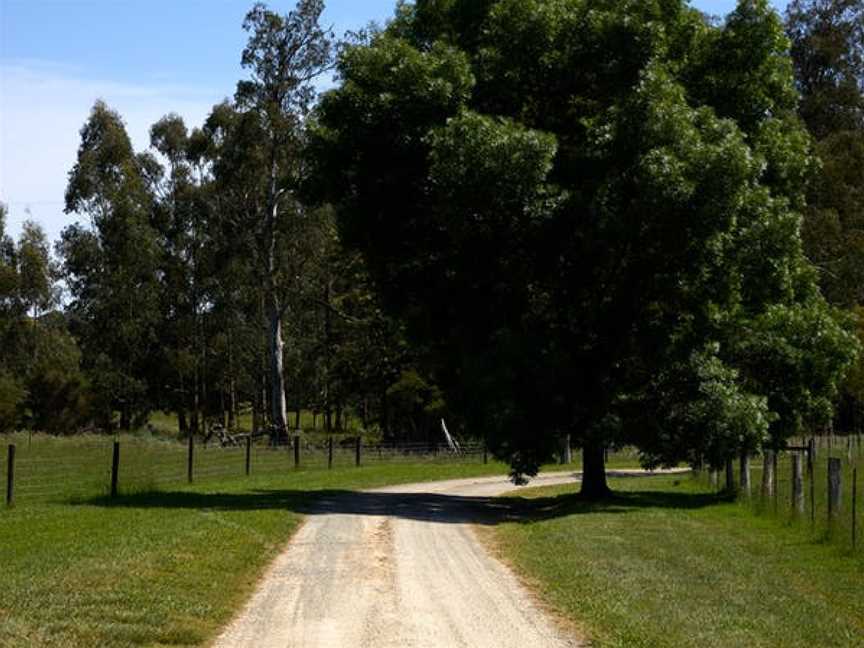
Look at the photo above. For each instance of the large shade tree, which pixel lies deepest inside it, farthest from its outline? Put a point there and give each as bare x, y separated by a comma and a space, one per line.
589, 210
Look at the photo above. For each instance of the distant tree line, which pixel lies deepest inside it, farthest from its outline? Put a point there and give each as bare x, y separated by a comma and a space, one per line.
827, 48
200, 282
609, 222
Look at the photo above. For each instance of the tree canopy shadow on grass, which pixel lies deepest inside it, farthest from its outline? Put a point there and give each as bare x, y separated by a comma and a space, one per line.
544, 508
427, 507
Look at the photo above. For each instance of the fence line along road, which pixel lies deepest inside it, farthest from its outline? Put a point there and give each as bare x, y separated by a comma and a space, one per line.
64, 468
812, 483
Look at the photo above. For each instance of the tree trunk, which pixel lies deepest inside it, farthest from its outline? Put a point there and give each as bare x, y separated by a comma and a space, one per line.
566, 456
182, 423
730, 476
385, 415
277, 369
232, 385
278, 405
745, 473
196, 414
257, 424
262, 394
328, 353
594, 471
223, 414
232, 405
768, 474
125, 417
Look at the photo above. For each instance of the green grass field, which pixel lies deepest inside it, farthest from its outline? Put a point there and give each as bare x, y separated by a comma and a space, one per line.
163, 568
166, 563
667, 563
670, 563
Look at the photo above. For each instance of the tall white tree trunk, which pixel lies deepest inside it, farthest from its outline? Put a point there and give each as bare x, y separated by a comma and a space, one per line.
274, 311
277, 369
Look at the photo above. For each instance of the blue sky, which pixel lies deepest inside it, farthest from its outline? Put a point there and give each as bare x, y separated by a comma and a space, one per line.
144, 57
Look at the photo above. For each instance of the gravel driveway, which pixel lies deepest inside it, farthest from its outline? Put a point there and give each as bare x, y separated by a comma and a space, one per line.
396, 567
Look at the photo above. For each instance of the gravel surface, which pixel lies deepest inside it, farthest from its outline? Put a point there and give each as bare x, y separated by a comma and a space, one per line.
396, 567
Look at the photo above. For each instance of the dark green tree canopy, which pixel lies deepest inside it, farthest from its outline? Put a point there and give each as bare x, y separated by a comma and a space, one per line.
827, 39
590, 211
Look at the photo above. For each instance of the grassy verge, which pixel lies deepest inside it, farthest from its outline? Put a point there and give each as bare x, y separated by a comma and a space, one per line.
814, 518
669, 563
162, 568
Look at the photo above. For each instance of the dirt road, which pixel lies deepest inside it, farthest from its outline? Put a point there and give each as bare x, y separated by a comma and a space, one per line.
397, 567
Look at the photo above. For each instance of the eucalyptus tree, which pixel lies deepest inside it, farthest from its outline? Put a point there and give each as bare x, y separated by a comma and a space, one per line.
36, 270
178, 177
41, 384
111, 265
588, 211
11, 390
285, 55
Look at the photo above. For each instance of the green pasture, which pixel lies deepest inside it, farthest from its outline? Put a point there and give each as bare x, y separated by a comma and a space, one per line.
668, 562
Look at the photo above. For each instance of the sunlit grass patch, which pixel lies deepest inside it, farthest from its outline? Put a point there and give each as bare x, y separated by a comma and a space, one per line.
668, 563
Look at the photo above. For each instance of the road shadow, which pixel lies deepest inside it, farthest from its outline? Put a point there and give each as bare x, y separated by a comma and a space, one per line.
425, 507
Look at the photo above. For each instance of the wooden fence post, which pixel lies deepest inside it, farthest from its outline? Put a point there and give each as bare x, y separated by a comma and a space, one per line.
854, 507
768, 474
190, 460
797, 484
774, 454
357, 451
566, 452
248, 455
115, 468
10, 475
835, 472
329, 452
730, 476
296, 451
745, 473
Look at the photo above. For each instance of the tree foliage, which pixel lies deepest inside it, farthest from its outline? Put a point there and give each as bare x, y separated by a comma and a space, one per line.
590, 211
41, 383
828, 52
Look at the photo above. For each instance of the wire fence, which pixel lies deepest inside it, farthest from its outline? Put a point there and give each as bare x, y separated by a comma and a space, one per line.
61, 469
816, 484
